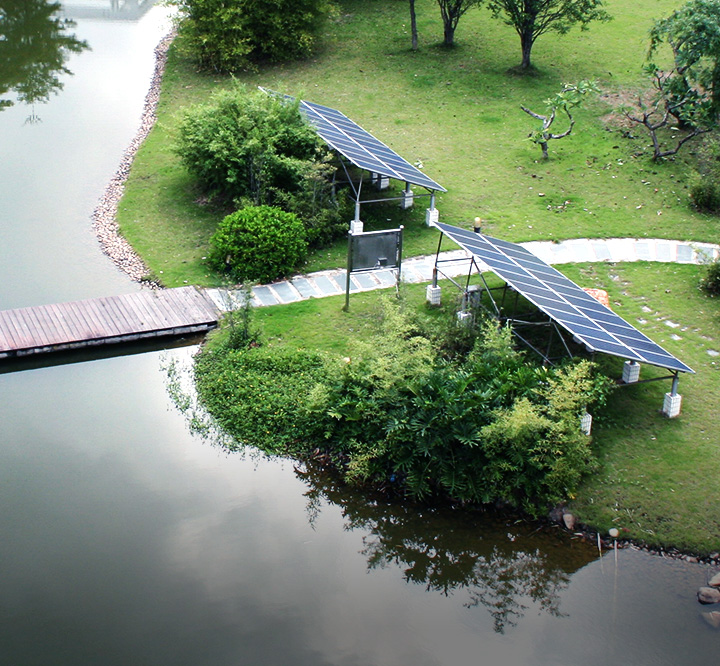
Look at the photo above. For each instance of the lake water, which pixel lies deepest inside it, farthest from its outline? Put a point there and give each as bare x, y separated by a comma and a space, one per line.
125, 539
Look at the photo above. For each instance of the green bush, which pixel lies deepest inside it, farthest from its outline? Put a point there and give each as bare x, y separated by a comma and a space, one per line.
229, 35
243, 145
704, 192
258, 244
257, 394
710, 283
489, 427
253, 147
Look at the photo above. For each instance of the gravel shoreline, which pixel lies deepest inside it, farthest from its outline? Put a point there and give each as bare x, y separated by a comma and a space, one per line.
104, 224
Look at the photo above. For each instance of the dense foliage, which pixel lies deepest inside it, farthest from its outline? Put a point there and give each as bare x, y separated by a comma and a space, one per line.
710, 283
484, 425
230, 35
693, 34
257, 148
258, 244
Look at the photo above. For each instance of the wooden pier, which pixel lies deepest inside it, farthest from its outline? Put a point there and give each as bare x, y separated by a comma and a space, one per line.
102, 321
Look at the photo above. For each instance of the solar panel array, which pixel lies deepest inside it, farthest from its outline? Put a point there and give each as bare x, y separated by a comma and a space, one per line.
361, 147
588, 320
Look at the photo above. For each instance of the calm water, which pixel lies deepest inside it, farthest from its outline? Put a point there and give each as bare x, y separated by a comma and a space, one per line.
126, 540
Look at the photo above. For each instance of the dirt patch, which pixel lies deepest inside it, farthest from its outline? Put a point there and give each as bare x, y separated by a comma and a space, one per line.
633, 98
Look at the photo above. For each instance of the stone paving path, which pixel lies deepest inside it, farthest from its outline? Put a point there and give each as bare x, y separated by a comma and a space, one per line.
419, 269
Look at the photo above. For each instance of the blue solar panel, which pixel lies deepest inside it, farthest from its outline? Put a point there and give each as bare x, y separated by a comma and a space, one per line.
361, 147
588, 320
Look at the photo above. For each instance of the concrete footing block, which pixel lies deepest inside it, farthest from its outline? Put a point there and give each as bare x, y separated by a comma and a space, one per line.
671, 405
631, 372
433, 295
432, 215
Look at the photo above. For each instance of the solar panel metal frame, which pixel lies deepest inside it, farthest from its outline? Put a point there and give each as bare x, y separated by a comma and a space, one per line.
359, 146
585, 318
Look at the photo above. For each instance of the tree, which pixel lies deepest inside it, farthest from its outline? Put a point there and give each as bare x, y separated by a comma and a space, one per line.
570, 97
667, 106
687, 94
34, 47
231, 35
532, 18
693, 34
451, 12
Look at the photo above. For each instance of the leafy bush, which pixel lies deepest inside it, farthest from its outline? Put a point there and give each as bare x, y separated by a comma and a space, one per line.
710, 283
258, 244
229, 35
242, 145
703, 186
256, 394
705, 192
253, 147
489, 427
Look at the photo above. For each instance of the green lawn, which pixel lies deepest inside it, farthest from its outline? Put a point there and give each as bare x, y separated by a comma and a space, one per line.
457, 111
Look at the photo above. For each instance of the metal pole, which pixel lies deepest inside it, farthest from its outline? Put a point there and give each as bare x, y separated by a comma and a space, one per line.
349, 270
399, 259
676, 381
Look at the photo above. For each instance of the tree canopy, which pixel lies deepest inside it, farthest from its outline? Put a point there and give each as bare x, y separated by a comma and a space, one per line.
532, 18
693, 34
230, 35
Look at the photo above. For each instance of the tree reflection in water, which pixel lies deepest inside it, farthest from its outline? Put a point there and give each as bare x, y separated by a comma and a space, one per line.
501, 562
34, 47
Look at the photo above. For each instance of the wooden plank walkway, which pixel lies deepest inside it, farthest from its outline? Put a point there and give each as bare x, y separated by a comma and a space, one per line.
102, 321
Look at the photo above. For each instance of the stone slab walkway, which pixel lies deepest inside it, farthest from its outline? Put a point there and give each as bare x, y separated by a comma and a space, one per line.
419, 269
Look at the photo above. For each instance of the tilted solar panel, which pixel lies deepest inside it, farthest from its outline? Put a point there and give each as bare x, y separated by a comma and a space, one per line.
588, 320
361, 147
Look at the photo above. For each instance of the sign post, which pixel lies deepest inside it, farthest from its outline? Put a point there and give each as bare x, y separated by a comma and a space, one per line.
373, 250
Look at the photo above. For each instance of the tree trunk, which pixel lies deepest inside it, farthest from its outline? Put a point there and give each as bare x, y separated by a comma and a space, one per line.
449, 34
413, 26
526, 43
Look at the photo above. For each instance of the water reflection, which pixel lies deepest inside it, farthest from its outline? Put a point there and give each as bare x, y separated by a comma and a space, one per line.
130, 10
501, 563
34, 47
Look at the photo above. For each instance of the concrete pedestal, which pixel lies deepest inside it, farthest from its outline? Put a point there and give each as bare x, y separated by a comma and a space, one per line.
433, 295
671, 405
586, 423
432, 215
631, 372
407, 199
356, 227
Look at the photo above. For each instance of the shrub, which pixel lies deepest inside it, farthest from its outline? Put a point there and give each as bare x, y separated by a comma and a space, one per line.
256, 394
489, 427
255, 147
243, 145
710, 283
229, 35
258, 244
704, 192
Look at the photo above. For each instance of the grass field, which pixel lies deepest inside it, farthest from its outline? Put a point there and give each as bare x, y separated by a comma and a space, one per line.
457, 111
